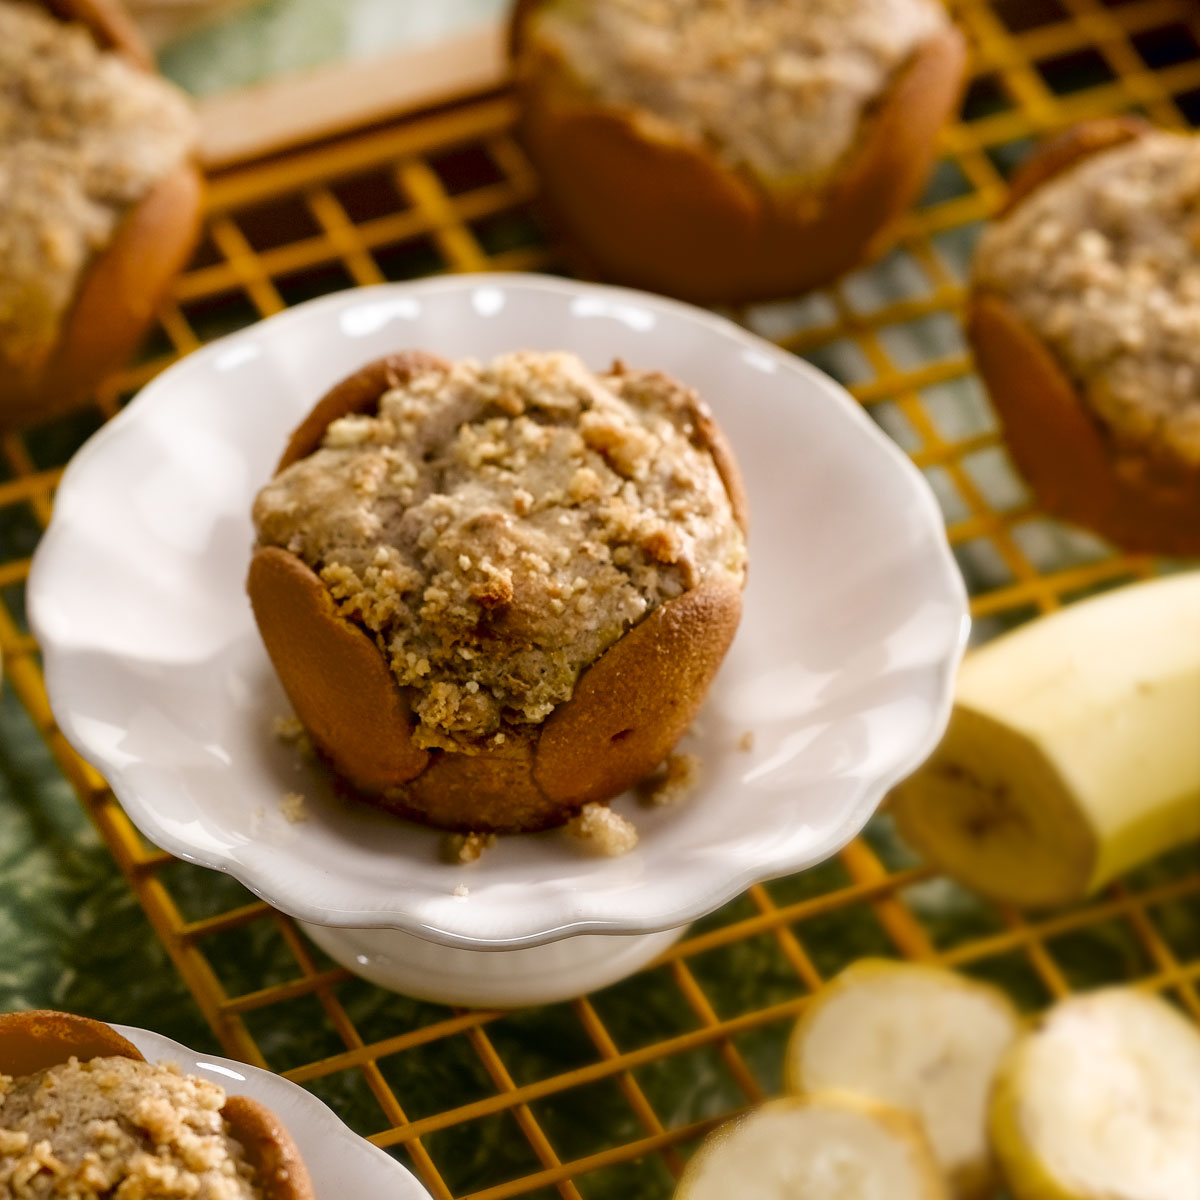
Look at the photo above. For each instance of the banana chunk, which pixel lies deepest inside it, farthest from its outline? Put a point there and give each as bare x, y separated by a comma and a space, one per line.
922, 1039
829, 1147
1101, 1101
1073, 753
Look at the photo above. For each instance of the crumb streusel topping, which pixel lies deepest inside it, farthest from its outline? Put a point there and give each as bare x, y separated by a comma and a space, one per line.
1104, 262
83, 137
776, 88
117, 1127
497, 527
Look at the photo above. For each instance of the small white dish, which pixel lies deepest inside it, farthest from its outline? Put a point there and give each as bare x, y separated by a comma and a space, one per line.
339, 1162
842, 670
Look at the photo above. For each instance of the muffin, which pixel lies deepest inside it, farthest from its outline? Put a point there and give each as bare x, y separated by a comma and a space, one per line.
1084, 315
83, 1116
495, 593
729, 150
99, 199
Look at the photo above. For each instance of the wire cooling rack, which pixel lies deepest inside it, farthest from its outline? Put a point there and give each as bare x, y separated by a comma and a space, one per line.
605, 1096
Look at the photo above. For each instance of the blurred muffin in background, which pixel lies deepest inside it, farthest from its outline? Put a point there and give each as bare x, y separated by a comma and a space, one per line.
727, 150
99, 199
1085, 320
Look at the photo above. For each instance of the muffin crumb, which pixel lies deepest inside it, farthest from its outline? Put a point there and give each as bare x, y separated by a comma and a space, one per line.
602, 831
671, 782
287, 728
462, 848
746, 742
290, 730
294, 807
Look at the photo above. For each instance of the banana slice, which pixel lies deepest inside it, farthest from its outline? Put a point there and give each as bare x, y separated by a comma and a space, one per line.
917, 1038
1072, 754
828, 1147
1101, 1101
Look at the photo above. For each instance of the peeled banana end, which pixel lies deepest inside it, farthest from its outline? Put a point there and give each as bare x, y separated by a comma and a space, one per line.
990, 810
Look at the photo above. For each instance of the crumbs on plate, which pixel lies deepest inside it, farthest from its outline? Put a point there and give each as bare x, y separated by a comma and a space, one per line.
462, 848
601, 830
294, 807
675, 777
290, 730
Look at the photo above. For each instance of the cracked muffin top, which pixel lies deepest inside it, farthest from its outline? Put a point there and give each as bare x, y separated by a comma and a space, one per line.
84, 136
118, 1127
1103, 262
497, 527
775, 88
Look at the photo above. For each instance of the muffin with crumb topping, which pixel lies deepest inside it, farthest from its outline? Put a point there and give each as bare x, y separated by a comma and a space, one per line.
99, 198
1085, 319
497, 592
730, 150
84, 1117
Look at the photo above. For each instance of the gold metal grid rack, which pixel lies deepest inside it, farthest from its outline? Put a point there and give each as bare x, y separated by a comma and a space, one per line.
605, 1096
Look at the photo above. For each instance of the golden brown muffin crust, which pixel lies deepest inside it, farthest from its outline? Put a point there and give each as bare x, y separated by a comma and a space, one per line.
36, 1039
336, 678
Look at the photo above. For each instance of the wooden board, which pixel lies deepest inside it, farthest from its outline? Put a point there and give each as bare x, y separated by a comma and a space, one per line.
260, 121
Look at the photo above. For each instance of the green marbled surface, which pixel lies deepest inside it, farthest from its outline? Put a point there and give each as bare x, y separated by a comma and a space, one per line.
72, 935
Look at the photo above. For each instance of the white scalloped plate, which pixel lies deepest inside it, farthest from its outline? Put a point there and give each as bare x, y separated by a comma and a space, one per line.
339, 1162
854, 622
